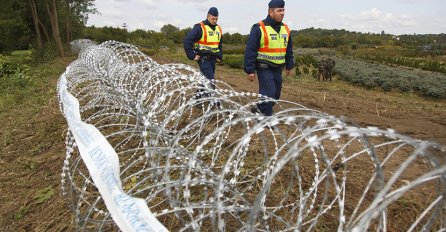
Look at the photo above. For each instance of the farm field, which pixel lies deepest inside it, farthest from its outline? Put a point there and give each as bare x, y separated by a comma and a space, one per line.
407, 113
32, 142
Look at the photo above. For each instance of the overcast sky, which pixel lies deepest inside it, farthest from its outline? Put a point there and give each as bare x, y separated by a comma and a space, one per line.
393, 16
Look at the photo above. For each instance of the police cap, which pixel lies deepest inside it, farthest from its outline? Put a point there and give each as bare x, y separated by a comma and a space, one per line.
276, 4
213, 11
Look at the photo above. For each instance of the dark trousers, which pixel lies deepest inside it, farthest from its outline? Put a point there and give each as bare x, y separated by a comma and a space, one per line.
207, 68
270, 84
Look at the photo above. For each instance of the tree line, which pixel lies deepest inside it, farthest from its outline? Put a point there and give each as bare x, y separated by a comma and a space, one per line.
306, 38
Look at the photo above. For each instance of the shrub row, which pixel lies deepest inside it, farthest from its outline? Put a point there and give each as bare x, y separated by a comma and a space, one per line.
234, 51
234, 61
306, 60
377, 75
429, 65
369, 75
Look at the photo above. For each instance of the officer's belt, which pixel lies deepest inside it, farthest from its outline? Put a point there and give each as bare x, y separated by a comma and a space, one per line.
266, 65
207, 57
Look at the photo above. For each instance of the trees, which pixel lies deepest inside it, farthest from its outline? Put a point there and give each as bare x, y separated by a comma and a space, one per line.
15, 32
235, 38
76, 16
38, 22
172, 32
52, 12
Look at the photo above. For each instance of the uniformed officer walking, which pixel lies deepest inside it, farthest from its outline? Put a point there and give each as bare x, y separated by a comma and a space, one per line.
268, 50
203, 44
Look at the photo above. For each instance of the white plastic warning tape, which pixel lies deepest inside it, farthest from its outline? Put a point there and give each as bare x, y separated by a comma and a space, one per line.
130, 214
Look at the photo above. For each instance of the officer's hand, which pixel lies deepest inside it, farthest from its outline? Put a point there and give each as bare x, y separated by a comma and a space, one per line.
218, 60
251, 76
197, 57
287, 72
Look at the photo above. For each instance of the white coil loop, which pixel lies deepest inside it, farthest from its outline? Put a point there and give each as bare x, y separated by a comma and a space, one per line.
209, 164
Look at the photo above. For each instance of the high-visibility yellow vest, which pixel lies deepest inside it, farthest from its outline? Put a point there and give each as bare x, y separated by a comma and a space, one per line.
272, 44
210, 39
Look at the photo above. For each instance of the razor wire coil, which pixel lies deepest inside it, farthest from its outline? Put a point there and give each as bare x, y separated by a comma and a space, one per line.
210, 164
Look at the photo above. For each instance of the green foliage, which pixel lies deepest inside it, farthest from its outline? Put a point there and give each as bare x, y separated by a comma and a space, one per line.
234, 61
47, 53
314, 73
43, 195
305, 60
21, 213
235, 38
317, 38
8, 67
15, 30
388, 78
298, 72
169, 29
130, 183
149, 51
234, 51
21, 53
419, 63
15, 78
102, 34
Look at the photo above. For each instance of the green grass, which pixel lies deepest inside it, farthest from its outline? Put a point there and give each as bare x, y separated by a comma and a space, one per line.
21, 53
32, 144
26, 85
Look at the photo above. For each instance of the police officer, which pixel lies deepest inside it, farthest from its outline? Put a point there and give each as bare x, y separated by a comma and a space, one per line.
203, 44
268, 50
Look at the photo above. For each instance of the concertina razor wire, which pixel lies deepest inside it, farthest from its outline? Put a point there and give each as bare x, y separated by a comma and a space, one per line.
145, 154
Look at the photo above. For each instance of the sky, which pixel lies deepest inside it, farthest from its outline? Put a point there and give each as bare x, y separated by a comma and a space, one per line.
391, 16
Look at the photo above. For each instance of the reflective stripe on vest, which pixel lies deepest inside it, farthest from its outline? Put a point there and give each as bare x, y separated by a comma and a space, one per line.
210, 39
272, 44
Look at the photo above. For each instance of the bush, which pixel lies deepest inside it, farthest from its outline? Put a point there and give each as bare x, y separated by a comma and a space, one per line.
314, 73
234, 51
47, 53
234, 61
298, 72
7, 67
305, 60
149, 51
405, 86
435, 93
14, 75
386, 87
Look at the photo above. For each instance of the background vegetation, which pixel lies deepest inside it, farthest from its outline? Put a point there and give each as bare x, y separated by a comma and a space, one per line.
33, 31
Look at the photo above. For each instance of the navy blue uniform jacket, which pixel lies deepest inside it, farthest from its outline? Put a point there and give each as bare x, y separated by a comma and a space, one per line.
195, 35
253, 46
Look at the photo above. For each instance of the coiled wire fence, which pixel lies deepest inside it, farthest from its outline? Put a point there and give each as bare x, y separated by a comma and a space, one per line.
210, 164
